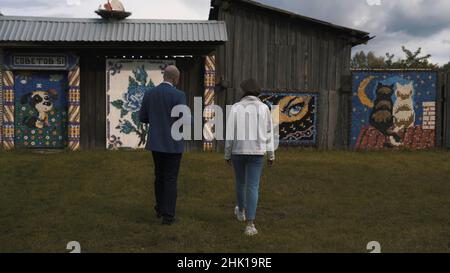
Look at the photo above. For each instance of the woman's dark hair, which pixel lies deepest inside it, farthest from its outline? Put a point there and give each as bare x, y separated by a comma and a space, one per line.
250, 88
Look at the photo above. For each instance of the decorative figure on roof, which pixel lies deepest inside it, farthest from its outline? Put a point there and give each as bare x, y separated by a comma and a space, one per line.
117, 5
113, 9
106, 6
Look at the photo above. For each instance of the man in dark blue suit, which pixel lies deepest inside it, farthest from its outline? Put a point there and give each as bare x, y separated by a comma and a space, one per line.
156, 110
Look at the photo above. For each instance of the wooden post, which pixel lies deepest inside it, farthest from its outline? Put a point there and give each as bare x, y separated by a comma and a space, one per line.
323, 120
447, 108
1, 98
333, 117
74, 109
440, 89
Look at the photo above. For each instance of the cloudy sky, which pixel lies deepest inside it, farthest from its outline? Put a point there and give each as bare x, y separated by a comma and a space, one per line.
414, 23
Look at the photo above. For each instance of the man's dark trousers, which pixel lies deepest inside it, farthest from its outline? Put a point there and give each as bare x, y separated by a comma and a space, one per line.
167, 166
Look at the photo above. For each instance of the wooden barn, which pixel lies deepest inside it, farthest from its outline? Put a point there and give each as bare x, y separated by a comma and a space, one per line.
302, 63
77, 83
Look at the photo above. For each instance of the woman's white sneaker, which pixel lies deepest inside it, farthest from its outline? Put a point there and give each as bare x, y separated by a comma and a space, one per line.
239, 214
250, 230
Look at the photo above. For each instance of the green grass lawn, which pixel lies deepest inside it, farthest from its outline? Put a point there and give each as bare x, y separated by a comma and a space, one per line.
310, 202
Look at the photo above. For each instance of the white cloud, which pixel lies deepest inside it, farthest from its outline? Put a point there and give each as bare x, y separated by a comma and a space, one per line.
436, 45
150, 9
73, 2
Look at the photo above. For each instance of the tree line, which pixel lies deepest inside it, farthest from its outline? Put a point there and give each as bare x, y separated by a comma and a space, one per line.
410, 60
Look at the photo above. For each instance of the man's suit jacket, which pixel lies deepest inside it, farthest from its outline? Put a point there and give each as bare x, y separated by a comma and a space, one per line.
156, 110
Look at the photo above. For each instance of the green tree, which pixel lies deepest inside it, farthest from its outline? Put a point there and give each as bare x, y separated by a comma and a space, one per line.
361, 60
411, 60
446, 66
414, 60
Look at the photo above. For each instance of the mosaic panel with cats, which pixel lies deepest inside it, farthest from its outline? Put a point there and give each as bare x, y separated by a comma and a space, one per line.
393, 109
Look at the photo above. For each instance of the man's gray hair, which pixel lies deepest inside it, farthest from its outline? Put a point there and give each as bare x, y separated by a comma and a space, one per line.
171, 73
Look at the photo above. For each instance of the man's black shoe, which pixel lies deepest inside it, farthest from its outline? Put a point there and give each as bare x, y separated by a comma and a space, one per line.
158, 213
168, 222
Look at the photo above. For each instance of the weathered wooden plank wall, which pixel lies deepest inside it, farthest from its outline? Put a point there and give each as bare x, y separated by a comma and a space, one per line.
285, 54
192, 83
93, 102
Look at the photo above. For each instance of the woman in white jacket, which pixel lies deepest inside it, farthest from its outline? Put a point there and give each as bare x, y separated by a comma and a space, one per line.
250, 135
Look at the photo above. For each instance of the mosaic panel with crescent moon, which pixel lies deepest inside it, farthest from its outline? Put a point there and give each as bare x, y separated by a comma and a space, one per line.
393, 110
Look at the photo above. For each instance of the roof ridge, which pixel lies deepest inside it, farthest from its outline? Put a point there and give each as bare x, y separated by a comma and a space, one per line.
100, 20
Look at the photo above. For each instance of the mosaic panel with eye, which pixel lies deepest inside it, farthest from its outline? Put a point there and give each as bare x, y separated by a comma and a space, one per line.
294, 108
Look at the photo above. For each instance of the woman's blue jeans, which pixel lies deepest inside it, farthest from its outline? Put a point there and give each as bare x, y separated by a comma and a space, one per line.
247, 169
